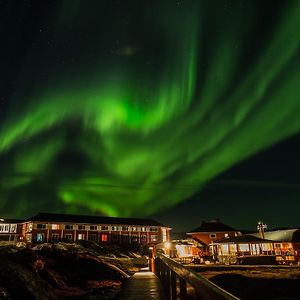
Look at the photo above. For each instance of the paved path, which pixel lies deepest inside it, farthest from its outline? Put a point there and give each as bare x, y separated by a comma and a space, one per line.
143, 285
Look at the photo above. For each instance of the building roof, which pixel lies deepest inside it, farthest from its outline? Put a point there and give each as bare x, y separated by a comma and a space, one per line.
241, 239
51, 217
11, 221
286, 235
213, 226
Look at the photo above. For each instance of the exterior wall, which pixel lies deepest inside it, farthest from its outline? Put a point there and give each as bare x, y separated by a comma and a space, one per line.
144, 235
10, 232
209, 237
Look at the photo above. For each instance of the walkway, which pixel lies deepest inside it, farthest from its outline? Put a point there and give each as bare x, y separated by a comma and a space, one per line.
143, 285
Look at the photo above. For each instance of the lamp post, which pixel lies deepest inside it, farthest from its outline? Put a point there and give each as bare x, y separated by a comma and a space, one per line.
261, 229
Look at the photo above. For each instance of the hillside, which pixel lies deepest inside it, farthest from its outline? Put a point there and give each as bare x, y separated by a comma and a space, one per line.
64, 271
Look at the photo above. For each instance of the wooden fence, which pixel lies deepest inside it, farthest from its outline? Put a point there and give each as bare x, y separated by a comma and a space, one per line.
175, 276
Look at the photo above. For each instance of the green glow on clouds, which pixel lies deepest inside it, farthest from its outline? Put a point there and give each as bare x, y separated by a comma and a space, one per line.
118, 145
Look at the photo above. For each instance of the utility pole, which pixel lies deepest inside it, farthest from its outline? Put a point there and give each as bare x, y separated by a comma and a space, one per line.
261, 229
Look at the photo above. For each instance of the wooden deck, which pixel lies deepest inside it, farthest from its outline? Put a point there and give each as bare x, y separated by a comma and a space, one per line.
142, 285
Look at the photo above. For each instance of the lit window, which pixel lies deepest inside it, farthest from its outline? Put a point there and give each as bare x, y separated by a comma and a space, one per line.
225, 249
13, 228
143, 229
134, 229
244, 247
164, 235
40, 237
153, 238
226, 235
55, 226
104, 238
80, 236
266, 247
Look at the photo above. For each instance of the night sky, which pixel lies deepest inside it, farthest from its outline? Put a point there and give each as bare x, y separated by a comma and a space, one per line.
178, 110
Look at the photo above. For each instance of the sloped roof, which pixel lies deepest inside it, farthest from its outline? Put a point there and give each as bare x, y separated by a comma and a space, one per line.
246, 238
51, 217
213, 226
286, 235
10, 221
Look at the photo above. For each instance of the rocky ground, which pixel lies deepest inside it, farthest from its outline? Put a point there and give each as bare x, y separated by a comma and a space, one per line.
256, 282
65, 271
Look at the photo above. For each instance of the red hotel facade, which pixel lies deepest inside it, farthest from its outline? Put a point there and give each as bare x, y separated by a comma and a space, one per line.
46, 227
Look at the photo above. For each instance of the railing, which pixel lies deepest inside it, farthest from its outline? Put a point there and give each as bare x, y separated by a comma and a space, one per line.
171, 273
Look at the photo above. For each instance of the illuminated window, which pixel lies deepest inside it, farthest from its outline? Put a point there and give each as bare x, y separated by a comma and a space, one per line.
29, 227
143, 229
134, 229
266, 247
153, 238
40, 237
104, 238
29, 237
55, 226
244, 247
164, 234
114, 228
225, 249
80, 236
226, 235
13, 228
232, 248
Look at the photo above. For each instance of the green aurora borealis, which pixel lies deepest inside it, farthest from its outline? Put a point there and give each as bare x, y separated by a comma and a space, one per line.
186, 92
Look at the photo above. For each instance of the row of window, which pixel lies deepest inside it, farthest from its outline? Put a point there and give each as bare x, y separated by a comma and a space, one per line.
40, 237
214, 235
95, 227
5, 228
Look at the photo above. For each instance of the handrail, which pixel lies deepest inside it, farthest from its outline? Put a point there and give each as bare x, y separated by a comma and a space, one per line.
204, 288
